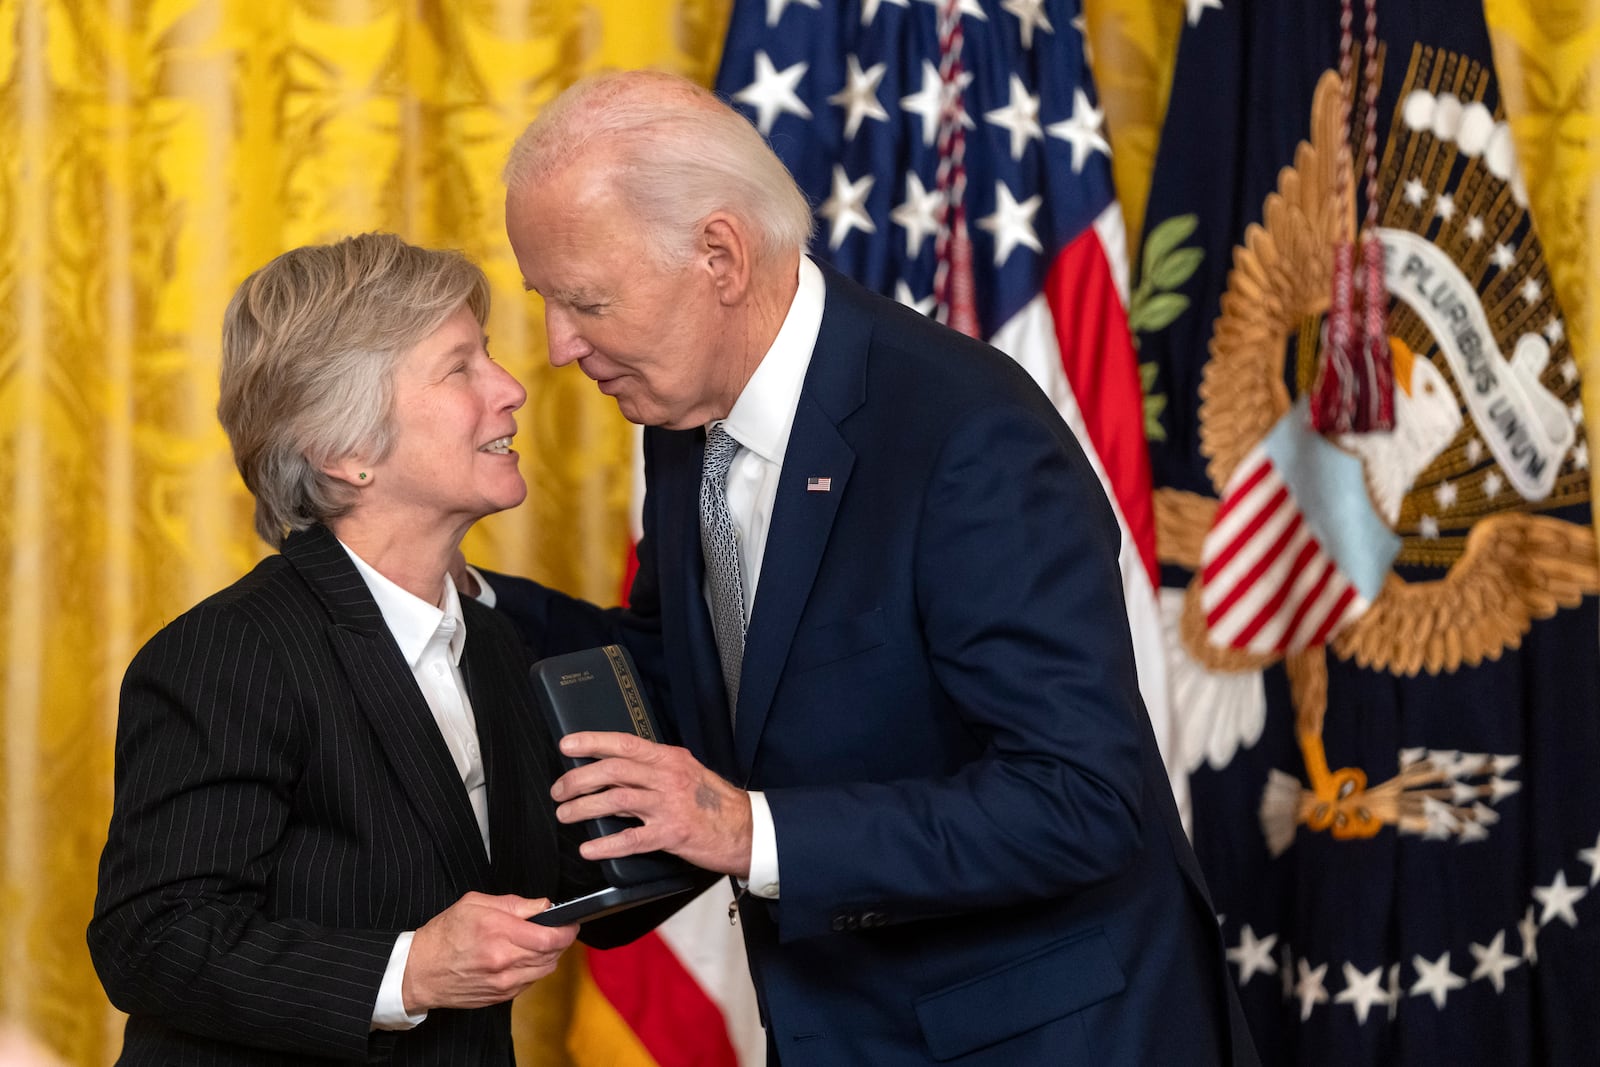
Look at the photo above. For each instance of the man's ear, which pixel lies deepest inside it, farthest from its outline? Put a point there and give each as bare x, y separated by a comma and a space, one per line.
725, 251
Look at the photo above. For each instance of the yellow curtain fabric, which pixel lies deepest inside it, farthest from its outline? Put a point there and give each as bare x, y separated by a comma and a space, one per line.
1547, 56
155, 152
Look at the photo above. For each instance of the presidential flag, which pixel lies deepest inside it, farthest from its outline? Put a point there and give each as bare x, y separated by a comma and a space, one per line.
1384, 640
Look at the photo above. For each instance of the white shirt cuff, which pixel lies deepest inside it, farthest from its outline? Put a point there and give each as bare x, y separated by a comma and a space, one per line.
485, 590
390, 1011
763, 849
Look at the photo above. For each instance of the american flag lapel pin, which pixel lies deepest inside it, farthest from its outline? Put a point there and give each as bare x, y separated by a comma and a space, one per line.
819, 485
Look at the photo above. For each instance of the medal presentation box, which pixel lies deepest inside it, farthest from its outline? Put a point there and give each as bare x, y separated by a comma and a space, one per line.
598, 689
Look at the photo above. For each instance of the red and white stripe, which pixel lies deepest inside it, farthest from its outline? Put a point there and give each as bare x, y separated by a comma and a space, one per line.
1268, 585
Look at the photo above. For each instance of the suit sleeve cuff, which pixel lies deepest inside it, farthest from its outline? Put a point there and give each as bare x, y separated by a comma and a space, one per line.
390, 1011
763, 849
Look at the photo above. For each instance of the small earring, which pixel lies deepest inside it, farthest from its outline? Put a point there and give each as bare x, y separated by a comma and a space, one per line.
362, 476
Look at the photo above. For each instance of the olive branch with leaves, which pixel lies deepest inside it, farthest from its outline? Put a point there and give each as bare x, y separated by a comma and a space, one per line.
1165, 266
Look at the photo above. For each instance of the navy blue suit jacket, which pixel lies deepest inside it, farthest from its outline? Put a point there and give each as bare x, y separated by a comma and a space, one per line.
980, 857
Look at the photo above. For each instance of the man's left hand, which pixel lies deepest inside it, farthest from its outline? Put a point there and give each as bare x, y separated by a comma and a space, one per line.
686, 809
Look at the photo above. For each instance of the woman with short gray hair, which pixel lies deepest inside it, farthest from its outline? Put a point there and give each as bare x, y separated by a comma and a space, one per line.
332, 816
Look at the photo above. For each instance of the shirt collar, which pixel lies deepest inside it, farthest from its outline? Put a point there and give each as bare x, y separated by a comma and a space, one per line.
413, 621
763, 414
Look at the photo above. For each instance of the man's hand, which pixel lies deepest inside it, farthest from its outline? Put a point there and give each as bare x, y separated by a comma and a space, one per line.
686, 809
480, 950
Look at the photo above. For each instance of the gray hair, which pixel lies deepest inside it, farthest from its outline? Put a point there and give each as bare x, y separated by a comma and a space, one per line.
677, 154
310, 343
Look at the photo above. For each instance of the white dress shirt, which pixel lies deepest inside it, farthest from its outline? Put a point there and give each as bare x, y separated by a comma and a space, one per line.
760, 421
431, 638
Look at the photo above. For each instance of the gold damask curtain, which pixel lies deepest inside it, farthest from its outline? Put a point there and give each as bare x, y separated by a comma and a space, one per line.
152, 153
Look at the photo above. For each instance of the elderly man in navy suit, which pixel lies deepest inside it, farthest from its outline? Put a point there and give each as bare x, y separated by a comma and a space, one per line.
879, 598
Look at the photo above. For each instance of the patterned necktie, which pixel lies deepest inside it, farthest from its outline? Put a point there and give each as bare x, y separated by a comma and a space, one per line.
719, 543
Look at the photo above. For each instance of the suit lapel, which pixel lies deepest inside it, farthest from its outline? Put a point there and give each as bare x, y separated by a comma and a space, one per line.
802, 518
524, 846
386, 693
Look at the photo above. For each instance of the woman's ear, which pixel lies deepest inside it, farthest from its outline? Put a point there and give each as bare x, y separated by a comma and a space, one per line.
351, 470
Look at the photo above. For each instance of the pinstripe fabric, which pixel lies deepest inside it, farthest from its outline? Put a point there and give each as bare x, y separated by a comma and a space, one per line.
285, 806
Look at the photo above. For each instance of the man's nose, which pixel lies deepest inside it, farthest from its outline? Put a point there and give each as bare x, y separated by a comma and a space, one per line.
566, 343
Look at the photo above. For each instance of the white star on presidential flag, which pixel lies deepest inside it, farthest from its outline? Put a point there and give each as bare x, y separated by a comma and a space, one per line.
1474, 228
869, 9
1503, 256
775, 8
1020, 117
1493, 962
1362, 990
1591, 856
859, 97
1528, 927
1082, 130
846, 207
919, 214
1558, 899
928, 101
1415, 192
1309, 988
1030, 16
1011, 223
1435, 979
1253, 955
1197, 6
772, 93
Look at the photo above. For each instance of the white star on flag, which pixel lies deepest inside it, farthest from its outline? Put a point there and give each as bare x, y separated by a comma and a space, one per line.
859, 97
772, 93
1309, 989
920, 214
869, 9
1435, 979
1362, 990
1196, 7
1082, 130
1252, 955
846, 207
964, 7
775, 8
902, 293
1591, 856
1030, 16
1493, 961
1528, 927
1558, 899
927, 102
1011, 223
1020, 117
